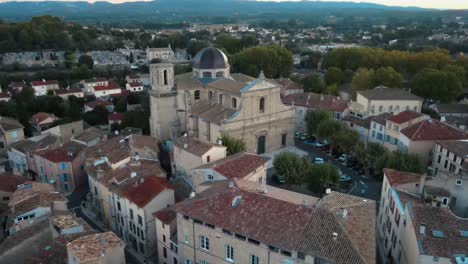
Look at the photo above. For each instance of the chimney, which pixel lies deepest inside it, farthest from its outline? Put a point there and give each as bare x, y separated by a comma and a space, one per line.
335, 235
422, 182
422, 229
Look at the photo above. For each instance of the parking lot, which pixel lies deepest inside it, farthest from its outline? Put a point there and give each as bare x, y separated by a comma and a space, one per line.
359, 185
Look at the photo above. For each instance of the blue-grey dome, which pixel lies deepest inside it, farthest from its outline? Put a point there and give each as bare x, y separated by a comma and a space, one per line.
210, 58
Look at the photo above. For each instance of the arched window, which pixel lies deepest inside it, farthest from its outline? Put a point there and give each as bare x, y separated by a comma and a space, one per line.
261, 105
407, 108
165, 77
219, 74
234, 103
197, 95
207, 74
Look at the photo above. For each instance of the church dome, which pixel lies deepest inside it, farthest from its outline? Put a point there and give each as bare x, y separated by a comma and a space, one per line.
210, 58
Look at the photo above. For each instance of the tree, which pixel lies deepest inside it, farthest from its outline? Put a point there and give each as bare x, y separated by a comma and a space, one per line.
435, 84
459, 71
249, 40
195, 46
233, 145
329, 129
69, 59
87, 60
230, 43
313, 83
96, 117
334, 75
373, 152
387, 76
313, 118
275, 61
131, 58
291, 167
322, 176
346, 139
363, 79
331, 89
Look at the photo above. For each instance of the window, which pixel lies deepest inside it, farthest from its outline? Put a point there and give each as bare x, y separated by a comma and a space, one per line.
204, 243
14, 134
142, 248
165, 77
380, 109
283, 140
397, 108
65, 177
210, 177
219, 74
207, 74
208, 158
446, 163
203, 262
164, 238
445, 201
197, 95
234, 102
188, 261
220, 101
300, 255
390, 108
415, 108
254, 259
164, 252
131, 214
229, 253
63, 166
210, 95
458, 182
95, 190
140, 220
372, 109
439, 158
174, 260
65, 187
118, 206
5, 198
261, 105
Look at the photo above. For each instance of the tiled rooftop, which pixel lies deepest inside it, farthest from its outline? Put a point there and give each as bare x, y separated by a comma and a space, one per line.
316, 101
385, 93
144, 189
459, 147
193, 145
90, 248
404, 116
41, 116
9, 182
166, 215
7, 124
98, 102
39, 83
432, 129
238, 165
65, 153
396, 178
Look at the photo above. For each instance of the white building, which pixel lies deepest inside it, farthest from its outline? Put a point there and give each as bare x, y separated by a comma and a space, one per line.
41, 87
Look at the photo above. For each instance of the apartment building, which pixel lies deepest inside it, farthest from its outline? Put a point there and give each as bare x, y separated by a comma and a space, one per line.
238, 222
112, 88
41, 87
190, 152
421, 220
8, 185
101, 248
11, 131
377, 133
396, 123
42, 121
450, 157
382, 99
134, 87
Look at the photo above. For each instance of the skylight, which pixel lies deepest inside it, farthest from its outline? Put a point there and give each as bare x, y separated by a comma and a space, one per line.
437, 233
464, 233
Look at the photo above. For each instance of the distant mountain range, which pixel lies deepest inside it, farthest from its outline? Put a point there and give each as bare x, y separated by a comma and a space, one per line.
177, 10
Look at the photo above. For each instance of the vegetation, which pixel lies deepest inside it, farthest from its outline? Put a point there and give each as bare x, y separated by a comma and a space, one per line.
275, 61
233, 145
321, 177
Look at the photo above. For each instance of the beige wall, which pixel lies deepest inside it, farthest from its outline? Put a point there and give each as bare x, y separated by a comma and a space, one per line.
66, 131
185, 161
163, 121
395, 106
8, 137
164, 233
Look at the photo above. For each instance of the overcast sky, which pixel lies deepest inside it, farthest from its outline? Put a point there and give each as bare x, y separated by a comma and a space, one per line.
441, 4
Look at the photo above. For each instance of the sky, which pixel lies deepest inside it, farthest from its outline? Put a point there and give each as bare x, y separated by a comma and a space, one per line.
439, 4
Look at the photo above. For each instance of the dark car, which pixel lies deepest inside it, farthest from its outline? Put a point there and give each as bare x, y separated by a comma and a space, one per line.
279, 179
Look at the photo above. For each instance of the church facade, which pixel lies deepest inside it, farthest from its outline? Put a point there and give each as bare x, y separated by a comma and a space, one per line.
209, 102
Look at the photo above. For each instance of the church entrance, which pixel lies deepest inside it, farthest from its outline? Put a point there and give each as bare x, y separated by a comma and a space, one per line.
261, 145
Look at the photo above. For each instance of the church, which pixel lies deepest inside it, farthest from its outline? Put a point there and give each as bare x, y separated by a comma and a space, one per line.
210, 102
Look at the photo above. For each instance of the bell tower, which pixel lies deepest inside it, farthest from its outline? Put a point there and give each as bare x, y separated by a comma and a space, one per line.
164, 122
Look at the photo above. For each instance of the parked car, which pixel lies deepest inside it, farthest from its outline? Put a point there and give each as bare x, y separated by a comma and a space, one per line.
279, 179
310, 141
297, 134
322, 143
345, 178
304, 136
319, 160
343, 157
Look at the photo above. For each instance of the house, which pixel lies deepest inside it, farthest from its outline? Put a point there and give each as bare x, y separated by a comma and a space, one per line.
420, 218
65, 131
191, 152
33, 202
101, 248
360, 125
377, 128
456, 121
127, 185
112, 88
17, 87
89, 84
90, 106
238, 221
162, 54
21, 153
115, 120
210, 101
382, 99
450, 157
303, 102
8, 185
134, 87
41, 87
289, 87
90, 136
421, 138
396, 123
142, 78
11, 131
42, 121
5, 96
63, 167
246, 166
65, 93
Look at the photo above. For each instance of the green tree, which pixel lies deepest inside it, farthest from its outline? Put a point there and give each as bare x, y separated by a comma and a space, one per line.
249, 40
459, 72
313, 83
86, 60
313, 119
234, 145
275, 61
363, 79
329, 129
230, 43
435, 84
291, 167
331, 89
96, 117
334, 75
195, 46
69, 59
320, 177
387, 76
346, 139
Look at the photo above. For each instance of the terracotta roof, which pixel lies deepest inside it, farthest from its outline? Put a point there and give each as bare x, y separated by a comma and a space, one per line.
7, 124
90, 134
116, 116
89, 249
404, 116
36, 143
385, 93
146, 189
396, 178
111, 86
193, 145
459, 147
358, 121
439, 219
257, 217
380, 119
65, 153
432, 129
238, 165
41, 116
98, 102
355, 241
9, 182
166, 215
38, 83
5, 95
69, 91
35, 201
316, 101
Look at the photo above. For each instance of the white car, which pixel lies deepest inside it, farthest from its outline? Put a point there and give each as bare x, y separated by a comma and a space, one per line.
343, 157
319, 160
321, 143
